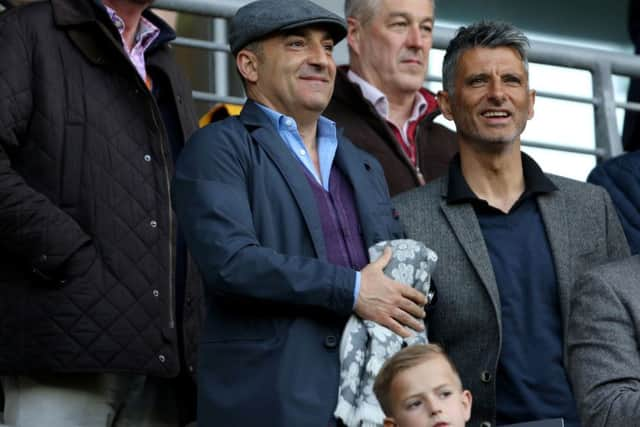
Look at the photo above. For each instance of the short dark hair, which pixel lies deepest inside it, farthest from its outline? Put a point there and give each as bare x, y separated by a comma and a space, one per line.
406, 358
482, 34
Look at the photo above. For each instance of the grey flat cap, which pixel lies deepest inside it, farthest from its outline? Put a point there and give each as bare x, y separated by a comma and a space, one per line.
264, 17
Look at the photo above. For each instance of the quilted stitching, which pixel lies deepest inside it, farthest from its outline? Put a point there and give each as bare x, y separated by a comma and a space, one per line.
111, 319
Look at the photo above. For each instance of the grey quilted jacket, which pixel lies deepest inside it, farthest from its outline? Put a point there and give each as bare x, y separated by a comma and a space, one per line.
87, 233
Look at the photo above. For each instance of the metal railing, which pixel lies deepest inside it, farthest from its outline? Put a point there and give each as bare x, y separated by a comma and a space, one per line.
601, 64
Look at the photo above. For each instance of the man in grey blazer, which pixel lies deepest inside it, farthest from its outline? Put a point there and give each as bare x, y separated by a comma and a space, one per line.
511, 239
604, 360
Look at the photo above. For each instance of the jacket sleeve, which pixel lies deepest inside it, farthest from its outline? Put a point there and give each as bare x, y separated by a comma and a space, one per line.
210, 195
617, 246
31, 226
624, 189
604, 361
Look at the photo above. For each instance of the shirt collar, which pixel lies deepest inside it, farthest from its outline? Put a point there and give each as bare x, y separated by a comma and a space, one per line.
326, 127
379, 100
145, 34
535, 181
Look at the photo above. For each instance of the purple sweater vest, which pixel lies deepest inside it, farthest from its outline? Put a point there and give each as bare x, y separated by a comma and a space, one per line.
339, 218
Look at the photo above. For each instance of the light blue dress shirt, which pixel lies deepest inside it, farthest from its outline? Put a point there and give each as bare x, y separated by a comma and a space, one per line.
327, 140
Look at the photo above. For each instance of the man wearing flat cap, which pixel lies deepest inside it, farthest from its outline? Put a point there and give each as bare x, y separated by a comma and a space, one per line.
278, 210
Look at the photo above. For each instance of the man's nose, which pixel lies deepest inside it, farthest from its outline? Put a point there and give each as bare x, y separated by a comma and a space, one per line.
319, 55
415, 38
496, 90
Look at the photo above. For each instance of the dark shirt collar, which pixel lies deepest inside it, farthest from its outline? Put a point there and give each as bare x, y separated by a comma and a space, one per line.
535, 181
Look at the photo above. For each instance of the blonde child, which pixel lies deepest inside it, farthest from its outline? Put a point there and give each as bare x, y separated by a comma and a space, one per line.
420, 387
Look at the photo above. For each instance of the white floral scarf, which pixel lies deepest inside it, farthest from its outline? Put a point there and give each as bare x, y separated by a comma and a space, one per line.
366, 345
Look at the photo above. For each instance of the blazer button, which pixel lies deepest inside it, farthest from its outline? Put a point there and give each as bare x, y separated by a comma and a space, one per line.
485, 377
330, 341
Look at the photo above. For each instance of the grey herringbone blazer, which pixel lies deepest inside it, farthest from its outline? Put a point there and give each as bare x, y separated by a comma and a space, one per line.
604, 361
583, 231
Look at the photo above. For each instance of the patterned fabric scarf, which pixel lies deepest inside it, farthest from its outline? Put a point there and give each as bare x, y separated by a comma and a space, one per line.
366, 345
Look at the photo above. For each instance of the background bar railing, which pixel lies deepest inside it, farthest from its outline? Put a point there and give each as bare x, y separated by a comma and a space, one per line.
602, 65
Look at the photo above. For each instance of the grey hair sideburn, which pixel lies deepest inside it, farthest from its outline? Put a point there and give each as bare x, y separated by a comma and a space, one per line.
485, 34
362, 10
365, 10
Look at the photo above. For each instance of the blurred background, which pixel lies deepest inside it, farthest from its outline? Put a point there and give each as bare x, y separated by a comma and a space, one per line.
567, 123
577, 110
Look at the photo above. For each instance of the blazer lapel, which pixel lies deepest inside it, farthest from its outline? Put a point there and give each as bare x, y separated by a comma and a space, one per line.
463, 221
358, 171
267, 137
553, 213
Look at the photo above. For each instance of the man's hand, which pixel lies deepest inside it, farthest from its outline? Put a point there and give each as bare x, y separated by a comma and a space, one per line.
387, 302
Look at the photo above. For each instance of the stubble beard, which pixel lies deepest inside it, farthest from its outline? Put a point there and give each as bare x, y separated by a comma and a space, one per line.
490, 145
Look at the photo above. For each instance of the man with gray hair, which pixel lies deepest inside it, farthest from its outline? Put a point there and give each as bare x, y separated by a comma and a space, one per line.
379, 99
512, 239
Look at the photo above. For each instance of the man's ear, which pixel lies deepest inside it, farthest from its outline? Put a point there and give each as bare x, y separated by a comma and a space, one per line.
444, 104
354, 32
532, 101
247, 64
389, 422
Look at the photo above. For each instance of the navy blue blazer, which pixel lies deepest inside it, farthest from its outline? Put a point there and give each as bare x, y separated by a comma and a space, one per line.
275, 307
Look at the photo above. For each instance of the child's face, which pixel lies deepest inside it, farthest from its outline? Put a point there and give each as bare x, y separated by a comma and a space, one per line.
429, 395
